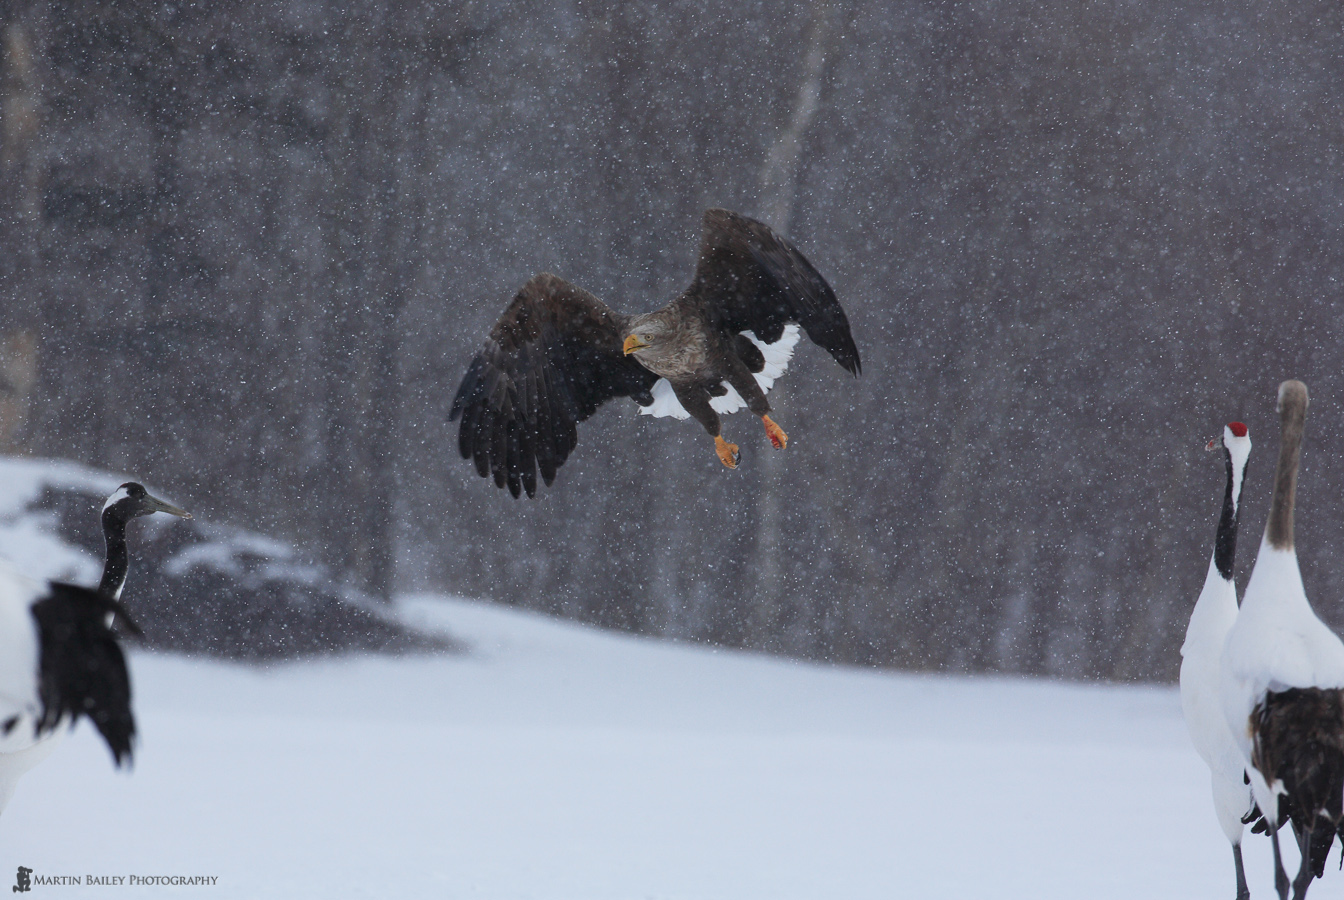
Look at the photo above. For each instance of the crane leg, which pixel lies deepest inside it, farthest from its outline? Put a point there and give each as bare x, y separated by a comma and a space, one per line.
1243, 889
1280, 876
1304, 875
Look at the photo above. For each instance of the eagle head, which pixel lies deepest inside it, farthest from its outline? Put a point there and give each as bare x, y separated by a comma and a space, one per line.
647, 332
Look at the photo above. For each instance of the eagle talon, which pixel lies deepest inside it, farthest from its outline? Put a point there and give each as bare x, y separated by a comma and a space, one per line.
728, 453
775, 433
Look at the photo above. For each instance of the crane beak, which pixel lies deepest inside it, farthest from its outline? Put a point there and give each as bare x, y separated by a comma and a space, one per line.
633, 343
157, 505
1214, 444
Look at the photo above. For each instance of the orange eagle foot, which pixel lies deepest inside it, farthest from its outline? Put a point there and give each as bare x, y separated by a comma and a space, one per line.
775, 433
727, 452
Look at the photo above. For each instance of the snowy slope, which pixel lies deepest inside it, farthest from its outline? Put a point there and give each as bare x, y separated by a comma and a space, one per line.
557, 762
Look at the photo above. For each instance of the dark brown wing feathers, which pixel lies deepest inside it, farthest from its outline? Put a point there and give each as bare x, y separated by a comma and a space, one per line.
1299, 740
751, 279
551, 360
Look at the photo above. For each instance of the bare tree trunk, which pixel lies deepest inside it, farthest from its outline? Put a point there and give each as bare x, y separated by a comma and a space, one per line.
18, 374
20, 131
779, 178
779, 191
402, 152
379, 159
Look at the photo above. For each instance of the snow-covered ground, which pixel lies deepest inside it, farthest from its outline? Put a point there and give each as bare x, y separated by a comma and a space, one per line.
555, 761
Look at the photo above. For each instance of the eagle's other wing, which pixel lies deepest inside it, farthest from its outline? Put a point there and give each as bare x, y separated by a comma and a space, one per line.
753, 280
551, 360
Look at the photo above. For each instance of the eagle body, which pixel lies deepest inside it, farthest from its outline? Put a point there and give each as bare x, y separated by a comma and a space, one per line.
558, 353
699, 363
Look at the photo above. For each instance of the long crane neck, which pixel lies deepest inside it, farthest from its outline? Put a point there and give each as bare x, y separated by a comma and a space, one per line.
1292, 418
118, 560
1225, 544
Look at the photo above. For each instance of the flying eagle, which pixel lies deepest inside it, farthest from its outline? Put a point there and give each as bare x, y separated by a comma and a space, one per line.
558, 353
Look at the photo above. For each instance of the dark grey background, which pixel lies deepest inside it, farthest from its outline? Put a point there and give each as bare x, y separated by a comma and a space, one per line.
258, 243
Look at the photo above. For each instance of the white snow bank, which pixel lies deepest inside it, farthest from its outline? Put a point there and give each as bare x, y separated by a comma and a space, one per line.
559, 762
29, 537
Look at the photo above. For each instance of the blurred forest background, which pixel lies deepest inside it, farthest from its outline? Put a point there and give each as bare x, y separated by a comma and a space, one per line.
250, 247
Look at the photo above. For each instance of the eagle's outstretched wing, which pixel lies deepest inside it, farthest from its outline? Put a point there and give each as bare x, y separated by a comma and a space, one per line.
551, 360
751, 279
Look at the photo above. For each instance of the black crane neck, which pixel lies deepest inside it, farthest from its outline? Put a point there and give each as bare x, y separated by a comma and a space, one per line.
1225, 543
118, 559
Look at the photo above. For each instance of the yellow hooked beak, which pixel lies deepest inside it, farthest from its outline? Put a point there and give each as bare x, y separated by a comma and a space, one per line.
633, 343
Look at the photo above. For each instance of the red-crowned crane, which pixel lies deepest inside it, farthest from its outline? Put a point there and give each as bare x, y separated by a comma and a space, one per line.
1283, 680
1201, 656
59, 659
